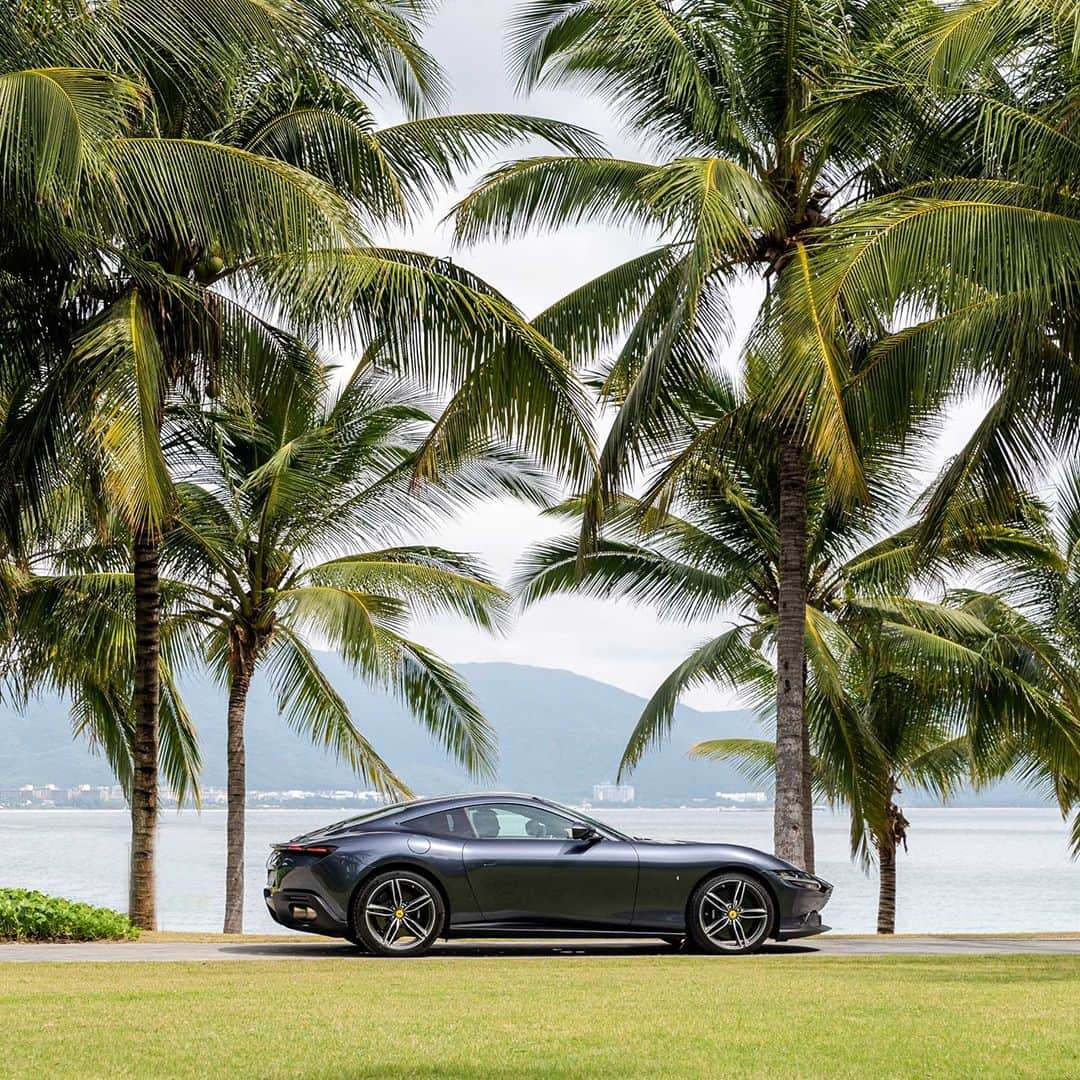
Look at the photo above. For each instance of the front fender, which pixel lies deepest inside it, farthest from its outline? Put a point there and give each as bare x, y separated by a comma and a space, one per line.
669, 873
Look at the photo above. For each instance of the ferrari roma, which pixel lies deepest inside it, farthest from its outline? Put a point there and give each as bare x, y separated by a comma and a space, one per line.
396, 879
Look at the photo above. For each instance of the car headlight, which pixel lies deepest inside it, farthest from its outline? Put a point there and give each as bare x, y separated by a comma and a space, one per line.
799, 878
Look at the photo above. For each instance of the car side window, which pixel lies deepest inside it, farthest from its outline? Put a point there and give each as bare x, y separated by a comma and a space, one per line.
450, 823
514, 821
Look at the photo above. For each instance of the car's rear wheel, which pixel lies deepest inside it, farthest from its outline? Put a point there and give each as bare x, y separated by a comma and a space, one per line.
398, 913
353, 939
731, 913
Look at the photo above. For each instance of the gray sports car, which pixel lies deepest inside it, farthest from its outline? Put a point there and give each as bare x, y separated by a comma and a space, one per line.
396, 879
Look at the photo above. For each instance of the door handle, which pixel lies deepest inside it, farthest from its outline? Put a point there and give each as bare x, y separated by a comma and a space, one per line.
487, 865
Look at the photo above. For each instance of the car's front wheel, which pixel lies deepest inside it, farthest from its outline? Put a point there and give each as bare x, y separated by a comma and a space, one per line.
398, 913
731, 912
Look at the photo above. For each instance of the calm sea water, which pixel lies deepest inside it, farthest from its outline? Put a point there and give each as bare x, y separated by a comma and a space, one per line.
967, 871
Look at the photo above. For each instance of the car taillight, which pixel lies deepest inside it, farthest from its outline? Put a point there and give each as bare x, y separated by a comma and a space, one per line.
310, 849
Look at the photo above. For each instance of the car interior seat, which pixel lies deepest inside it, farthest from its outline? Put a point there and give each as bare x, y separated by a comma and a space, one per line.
485, 822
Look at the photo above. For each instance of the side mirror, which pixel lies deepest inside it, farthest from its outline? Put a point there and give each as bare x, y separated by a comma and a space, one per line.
584, 833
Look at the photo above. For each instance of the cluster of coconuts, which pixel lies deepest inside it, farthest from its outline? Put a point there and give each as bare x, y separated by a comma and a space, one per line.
210, 265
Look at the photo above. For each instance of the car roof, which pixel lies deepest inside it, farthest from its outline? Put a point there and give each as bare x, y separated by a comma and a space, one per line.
419, 808
435, 803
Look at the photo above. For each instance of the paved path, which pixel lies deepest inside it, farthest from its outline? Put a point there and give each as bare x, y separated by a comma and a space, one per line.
321, 950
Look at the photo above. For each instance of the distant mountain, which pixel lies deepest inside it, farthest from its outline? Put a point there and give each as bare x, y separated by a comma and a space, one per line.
559, 733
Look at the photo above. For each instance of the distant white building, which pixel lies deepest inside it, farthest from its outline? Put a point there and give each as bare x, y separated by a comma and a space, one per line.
742, 796
613, 793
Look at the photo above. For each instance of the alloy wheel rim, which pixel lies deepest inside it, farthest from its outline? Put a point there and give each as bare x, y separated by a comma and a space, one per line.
400, 913
734, 914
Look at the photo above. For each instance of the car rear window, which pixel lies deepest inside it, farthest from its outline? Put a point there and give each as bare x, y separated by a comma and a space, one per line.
451, 823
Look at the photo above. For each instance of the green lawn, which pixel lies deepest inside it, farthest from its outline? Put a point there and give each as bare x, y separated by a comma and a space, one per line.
561, 1016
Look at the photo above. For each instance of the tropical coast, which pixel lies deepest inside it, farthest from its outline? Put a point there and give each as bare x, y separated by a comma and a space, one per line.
540, 538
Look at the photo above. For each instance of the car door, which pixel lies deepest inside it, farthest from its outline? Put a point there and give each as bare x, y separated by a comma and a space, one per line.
525, 869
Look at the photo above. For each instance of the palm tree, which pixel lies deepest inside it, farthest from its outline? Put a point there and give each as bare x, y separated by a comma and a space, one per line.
900, 689
230, 223
287, 539
755, 157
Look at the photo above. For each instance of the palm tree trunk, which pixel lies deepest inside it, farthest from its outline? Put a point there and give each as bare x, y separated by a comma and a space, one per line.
790, 815
147, 695
888, 845
808, 798
886, 910
239, 684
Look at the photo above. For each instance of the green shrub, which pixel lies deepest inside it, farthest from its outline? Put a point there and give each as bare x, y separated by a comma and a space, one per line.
33, 916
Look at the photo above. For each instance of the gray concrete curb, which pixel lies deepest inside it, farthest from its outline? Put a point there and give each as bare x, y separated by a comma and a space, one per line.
181, 951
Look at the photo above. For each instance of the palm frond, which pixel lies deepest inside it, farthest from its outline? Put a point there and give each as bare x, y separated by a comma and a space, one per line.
54, 122
443, 703
314, 709
124, 347
727, 660
428, 155
553, 192
429, 580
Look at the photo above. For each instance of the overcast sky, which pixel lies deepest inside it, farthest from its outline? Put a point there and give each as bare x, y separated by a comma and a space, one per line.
616, 643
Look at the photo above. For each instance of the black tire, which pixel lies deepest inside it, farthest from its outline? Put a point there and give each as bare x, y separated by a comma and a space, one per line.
712, 927
397, 913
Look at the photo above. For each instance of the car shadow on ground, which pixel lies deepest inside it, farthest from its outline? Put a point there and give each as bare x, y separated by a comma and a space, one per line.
345, 951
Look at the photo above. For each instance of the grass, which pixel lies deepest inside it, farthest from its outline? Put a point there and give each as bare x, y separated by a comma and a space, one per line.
641, 1016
